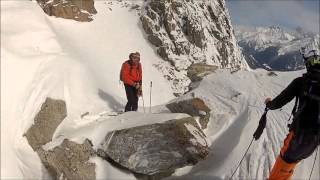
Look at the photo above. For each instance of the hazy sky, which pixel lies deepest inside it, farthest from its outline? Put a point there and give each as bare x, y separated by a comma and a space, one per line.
287, 13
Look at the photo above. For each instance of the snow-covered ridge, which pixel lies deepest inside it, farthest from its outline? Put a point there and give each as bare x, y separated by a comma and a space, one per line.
275, 47
79, 63
236, 100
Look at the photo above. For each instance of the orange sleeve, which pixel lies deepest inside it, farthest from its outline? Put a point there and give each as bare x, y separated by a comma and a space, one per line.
126, 75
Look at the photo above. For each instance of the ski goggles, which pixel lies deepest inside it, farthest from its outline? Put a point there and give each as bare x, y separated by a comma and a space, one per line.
313, 60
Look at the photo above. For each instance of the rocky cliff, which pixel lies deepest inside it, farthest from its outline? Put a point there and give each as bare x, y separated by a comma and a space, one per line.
79, 10
185, 32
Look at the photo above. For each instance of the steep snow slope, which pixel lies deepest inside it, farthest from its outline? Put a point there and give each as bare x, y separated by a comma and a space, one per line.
79, 62
236, 101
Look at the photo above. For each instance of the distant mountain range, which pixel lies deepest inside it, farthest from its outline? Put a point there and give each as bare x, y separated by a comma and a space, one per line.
275, 48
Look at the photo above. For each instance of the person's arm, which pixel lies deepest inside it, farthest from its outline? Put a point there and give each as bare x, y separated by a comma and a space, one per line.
286, 95
126, 75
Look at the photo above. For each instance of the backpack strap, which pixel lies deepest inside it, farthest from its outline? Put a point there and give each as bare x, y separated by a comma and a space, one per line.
130, 64
294, 111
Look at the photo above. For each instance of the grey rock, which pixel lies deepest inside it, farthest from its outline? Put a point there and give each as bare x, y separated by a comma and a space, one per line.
193, 107
146, 24
51, 114
198, 70
79, 10
157, 148
155, 40
69, 160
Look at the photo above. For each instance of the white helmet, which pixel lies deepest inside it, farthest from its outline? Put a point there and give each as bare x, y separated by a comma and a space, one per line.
312, 60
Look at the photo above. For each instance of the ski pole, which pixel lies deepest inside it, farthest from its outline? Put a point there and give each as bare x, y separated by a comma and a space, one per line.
314, 162
144, 111
150, 96
256, 136
242, 159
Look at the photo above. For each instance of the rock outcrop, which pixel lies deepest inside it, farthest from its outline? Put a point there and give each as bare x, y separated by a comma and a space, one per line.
68, 160
157, 148
149, 151
186, 32
79, 10
51, 114
197, 71
195, 107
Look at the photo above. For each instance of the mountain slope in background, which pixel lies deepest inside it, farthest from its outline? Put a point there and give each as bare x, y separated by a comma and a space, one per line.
275, 48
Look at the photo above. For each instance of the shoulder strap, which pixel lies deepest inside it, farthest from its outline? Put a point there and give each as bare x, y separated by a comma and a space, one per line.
294, 110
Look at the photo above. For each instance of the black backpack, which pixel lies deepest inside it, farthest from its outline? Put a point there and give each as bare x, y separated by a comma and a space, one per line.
307, 116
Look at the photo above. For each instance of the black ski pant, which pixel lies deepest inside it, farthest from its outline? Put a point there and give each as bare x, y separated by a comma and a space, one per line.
132, 96
299, 146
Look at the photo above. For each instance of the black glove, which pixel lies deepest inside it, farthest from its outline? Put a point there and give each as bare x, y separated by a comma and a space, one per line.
262, 125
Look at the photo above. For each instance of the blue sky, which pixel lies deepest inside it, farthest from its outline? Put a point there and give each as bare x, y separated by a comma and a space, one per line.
286, 13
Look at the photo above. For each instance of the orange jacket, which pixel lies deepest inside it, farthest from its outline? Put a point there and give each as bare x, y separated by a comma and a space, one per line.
131, 73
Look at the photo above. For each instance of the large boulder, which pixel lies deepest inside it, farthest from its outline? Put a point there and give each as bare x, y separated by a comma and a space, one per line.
51, 114
68, 160
154, 150
195, 107
79, 10
197, 71
157, 148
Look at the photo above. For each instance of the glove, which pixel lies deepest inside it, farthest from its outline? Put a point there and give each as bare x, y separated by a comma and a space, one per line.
139, 92
267, 100
136, 85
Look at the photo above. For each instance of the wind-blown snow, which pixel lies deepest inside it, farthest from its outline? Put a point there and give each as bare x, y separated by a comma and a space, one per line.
79, 62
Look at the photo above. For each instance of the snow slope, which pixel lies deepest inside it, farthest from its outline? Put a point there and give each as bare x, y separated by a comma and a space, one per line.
236, 101
79, 62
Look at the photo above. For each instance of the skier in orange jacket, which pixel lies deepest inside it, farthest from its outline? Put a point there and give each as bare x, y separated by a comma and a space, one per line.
131, 75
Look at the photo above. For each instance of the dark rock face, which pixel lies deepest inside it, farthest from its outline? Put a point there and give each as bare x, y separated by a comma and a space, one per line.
49, 117
79, 10
157, 148
193, 107
69, 160
187, 32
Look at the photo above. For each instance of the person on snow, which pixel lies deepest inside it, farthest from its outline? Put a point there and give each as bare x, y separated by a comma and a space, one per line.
131, 75
304, 131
